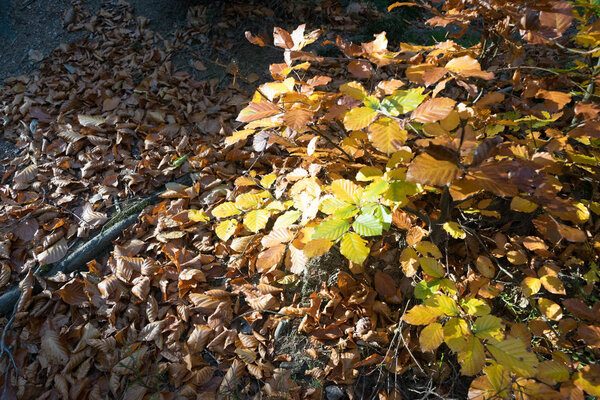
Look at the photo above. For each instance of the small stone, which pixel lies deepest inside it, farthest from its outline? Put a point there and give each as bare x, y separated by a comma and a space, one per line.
334, 392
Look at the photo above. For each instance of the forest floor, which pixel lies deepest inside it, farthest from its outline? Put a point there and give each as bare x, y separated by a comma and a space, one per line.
171, 76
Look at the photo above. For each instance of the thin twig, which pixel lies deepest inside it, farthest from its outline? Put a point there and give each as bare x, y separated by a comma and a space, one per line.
485, 248
321, 134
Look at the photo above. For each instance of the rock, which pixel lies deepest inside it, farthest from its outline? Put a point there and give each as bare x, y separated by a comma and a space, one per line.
334, 393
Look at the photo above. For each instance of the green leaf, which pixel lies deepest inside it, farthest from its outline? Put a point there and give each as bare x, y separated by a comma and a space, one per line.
179, 161
367, 225
425, 289
432, 267
332, 204
371, 102
402, 101
383, 214
374, 190
287, 218
255, 220
398, 190
346, 212
476, 307
331, 229
354, 248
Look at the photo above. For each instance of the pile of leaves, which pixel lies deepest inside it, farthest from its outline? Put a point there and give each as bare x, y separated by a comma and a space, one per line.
407, 215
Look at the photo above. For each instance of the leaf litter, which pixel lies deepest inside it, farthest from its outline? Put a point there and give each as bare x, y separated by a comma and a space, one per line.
192, 304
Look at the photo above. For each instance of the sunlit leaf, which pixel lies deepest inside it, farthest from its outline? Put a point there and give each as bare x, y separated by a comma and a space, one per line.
359, 118
425, 169
472, 356
346, 190
198, 216
317, 247
431, 337
255, 220
256, 111
402, 101
422, 315
224, 210
354, 90
386, 135
475, 307
513, 356
432, 267
354, 248
433, 110
331, 229
367, 225
287, 218
550, 309
454, 230
522, 205
530, 286
225, 229
488, 327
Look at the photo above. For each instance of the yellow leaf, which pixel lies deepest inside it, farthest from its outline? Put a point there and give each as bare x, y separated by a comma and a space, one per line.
428, 249
359, 118
346, 190
226, 209
553, 284
475, 307
255, 220
444, 303
197, 216
530, 286
248, 201
432, 267
456, 334
550, 309
513, 355
422, 315
472, 358
354, 90
499, 378
366, 174
488, 327
521, 205
354, 248
431, 337
268, 180
237, 136
551, 372
386, 135
453, 228
317, 247
588, 379
225, 229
